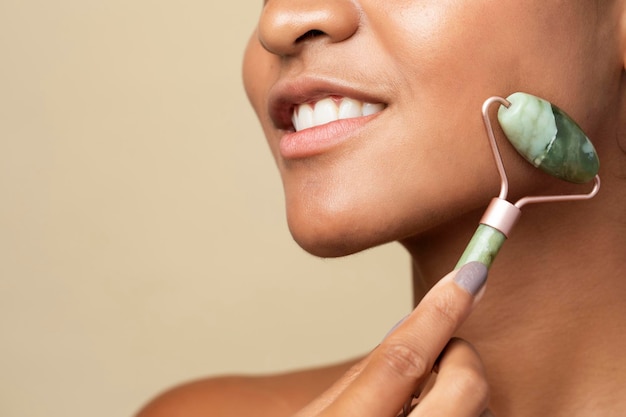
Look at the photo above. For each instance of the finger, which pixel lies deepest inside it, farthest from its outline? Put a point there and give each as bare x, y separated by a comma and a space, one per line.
461, 388
405, 358
340, 385
320, 403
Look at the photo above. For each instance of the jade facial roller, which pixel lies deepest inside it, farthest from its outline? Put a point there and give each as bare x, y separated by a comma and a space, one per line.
547, 138
550, 140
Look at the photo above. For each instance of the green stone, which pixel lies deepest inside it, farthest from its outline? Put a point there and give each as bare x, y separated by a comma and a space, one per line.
548, 138
483, 247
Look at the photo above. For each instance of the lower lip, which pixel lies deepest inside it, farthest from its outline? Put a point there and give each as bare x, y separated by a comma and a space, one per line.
321, 139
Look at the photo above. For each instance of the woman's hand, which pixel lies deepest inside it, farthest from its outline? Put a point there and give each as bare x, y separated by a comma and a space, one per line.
381, 384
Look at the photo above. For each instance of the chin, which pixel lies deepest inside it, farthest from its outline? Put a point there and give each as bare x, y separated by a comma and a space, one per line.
336, 230
326, 246
336, 235
334, 246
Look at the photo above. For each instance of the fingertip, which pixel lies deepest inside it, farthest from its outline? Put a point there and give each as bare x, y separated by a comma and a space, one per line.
472, 277
459, 353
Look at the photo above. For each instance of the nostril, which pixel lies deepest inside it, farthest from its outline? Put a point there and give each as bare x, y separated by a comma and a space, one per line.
286, 26
310, 35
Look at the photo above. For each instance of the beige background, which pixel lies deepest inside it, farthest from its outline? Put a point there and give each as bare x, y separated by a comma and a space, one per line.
142, 238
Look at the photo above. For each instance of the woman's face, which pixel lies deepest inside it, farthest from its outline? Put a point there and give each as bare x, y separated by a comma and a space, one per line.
410, 78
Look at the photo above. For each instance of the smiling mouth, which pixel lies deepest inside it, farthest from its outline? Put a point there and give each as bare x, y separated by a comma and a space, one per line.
331, 109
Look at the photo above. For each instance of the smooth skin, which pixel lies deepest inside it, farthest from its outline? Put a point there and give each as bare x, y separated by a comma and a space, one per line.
549, 335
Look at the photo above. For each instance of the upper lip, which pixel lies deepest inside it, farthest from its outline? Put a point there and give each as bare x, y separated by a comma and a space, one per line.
287, 93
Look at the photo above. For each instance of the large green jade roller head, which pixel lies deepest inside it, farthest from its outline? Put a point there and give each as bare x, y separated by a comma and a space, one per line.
547, 138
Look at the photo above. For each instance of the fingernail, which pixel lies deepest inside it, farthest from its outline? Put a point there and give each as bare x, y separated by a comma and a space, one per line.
471, 277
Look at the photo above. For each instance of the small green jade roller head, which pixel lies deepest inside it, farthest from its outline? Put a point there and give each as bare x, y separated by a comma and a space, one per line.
547, 138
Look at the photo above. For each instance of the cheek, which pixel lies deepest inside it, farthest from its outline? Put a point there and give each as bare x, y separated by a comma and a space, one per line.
440, 38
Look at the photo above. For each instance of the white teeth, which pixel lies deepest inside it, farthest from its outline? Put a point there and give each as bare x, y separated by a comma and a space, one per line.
350, 108
325, 111
369, 109
304, 118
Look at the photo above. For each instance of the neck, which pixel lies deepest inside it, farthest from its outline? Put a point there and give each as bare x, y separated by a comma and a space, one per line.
549, 328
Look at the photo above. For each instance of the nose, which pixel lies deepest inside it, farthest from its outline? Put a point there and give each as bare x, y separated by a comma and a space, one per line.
286, 25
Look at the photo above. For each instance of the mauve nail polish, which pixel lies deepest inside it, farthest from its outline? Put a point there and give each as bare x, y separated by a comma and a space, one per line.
471, 277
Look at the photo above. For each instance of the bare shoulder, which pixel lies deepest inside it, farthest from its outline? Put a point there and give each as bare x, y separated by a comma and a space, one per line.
270, 395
